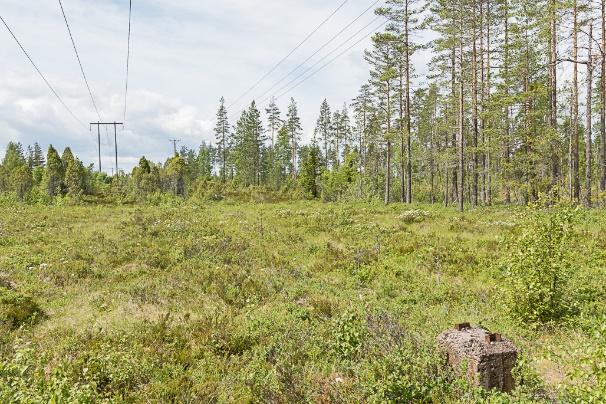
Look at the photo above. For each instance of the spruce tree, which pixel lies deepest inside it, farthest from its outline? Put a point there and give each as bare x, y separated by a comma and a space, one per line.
323, 130
222, 138
54, 172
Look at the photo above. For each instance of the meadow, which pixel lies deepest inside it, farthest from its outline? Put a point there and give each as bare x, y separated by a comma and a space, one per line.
288, 302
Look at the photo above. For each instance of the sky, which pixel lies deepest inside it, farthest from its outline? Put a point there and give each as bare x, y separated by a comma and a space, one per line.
185, 55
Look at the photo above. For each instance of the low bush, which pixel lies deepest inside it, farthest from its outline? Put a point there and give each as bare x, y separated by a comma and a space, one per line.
17, 309
538, 266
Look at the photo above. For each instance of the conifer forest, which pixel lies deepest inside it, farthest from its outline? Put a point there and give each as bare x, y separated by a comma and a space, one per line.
462, 182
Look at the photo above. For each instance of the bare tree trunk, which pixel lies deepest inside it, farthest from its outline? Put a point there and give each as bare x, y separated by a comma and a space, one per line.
453, 74
446, 162
388, 162
474, 116
576, 185
553, 90
461, 118
588, 116
603, 99
507, 151
488, 89
402, 138
408, 119
432, 152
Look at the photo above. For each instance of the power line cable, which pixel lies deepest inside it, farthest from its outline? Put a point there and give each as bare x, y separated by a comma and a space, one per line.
324, 46
331, 60
41, 75
344, 43
288, 55
79, 61
130, 11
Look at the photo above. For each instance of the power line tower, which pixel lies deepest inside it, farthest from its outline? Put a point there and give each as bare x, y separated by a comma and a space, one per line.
115, 125
174, 142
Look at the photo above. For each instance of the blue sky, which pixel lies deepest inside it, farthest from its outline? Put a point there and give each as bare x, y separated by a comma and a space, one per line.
186, 54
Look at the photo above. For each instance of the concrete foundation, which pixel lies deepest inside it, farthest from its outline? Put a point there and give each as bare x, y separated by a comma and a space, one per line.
486, 359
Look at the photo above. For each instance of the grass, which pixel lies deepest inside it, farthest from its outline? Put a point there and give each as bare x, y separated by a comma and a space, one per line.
284, 302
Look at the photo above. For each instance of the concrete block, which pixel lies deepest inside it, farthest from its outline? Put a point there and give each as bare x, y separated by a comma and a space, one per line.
486, 358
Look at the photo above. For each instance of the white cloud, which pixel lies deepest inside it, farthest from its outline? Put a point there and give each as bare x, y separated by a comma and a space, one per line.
185, 56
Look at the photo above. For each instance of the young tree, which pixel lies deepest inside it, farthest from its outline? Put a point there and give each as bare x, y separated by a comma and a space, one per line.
310, 169
54, 172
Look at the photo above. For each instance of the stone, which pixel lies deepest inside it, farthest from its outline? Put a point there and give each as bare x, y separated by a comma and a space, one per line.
486, 359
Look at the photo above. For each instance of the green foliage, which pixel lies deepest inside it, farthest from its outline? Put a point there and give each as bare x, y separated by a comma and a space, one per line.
340, 182
17, 309
348, 336
408, 374
589, 372
539, 266
269, 302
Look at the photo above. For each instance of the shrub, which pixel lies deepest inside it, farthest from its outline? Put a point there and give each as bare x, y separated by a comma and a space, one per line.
414, 216
538, 266
17, 309
589, 376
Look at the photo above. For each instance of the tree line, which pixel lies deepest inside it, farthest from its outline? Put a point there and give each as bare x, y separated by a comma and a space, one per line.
495, 120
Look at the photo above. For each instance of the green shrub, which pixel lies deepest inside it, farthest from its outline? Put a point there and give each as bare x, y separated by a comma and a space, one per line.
348, 336
589, 374
414, 216
538, 266
17, 309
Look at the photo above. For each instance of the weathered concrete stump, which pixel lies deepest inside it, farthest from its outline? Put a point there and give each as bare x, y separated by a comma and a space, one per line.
489, 358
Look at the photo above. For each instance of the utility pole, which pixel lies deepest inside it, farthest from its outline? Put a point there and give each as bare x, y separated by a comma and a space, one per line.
115, 125
174, 142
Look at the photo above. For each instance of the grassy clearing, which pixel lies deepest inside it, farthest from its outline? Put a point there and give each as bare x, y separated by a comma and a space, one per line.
271, 302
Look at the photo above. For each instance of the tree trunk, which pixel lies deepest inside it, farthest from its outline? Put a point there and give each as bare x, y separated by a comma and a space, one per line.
506, 151
488, 90
588, 116
408, 118
574, 133
402, 138
603, 99
461, 119
474, 118
553, 91
388, 162
453, 78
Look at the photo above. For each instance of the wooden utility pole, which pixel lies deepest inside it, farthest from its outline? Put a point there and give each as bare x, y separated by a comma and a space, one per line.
115, 125
174, 142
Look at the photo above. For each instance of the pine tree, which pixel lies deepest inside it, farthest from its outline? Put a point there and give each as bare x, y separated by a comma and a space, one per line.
293, 124
274, 120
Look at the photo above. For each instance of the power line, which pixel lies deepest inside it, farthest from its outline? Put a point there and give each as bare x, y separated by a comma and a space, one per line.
130, 12
324, 46
330, 61
79, 61
288, 55
328, 55
41, 75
